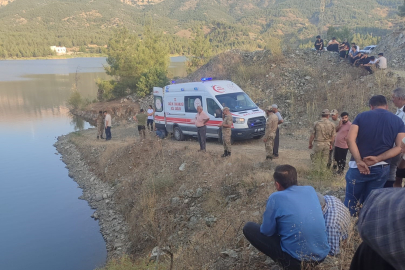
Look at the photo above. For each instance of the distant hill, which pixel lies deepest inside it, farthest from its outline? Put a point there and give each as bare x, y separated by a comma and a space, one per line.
29, 27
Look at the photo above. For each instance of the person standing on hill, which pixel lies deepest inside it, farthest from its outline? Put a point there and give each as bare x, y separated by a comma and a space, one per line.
107, 124
398, 98
374, 139
341, 147
227, 131
100, 125
322, 136
270, 134
141, 119
201, 120
319, 44
150, 112
277, 138
335, 121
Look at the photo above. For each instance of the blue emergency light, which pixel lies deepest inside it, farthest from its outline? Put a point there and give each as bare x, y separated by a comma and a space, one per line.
173, 82
195, 88
206, 79
182, 89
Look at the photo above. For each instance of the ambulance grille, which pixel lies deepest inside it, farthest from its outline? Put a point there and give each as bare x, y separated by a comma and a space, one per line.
256, 122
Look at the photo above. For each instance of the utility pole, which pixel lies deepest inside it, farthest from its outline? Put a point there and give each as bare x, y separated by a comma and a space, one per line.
321, 17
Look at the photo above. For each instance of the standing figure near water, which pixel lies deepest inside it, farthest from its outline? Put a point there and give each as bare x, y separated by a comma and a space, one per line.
100, 125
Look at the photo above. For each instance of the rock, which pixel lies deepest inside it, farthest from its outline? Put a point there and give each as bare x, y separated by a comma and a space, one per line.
231, 198
95, 215
98, 197
257, 213
198, 193
175, 200
209, 221
229, 253
105, 196
307, 78
182, 167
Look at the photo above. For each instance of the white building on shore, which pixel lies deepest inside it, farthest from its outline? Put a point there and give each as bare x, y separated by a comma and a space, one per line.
59, 50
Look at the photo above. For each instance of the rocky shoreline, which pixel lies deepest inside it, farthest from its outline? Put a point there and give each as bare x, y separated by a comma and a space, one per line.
100, 196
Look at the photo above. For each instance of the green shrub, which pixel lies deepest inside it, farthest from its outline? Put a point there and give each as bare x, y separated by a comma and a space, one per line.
75, 100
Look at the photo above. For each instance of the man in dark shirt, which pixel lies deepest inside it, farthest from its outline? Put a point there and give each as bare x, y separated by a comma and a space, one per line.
319, 44
367, 65
354, 55
370, 139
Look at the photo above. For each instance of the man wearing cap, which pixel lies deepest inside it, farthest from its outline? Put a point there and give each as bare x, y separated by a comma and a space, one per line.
335, 121
271, 129
337, 221
100, 125
201, 120
322, 136
227, 131
277, 138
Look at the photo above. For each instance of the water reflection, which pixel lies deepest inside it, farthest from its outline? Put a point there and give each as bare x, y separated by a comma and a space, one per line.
77, 122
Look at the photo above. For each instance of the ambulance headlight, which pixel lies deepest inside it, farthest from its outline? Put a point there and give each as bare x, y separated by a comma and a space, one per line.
237, 120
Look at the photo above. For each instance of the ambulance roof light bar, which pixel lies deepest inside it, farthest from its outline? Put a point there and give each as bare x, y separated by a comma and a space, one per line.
206, 79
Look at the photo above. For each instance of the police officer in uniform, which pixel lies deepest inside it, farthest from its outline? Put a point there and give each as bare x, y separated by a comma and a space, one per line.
100, 125
226, 131
322, 137
270, 135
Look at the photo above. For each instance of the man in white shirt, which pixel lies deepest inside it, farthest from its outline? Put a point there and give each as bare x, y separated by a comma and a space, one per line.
381, 61
107, 126
277, 138
398, 98
151, 112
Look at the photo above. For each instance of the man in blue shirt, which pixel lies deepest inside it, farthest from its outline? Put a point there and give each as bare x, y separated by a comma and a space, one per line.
371, 140
293, 229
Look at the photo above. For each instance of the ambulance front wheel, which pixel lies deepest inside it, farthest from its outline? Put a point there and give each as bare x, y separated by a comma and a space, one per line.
178, 134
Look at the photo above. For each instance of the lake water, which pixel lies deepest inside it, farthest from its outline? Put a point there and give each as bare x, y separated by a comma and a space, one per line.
43, 225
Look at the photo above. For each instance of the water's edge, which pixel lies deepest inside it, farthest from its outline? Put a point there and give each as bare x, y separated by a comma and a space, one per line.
99, 195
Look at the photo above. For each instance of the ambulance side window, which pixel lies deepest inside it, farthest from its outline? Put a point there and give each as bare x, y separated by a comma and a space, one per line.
191, 103
158, 104
213, 108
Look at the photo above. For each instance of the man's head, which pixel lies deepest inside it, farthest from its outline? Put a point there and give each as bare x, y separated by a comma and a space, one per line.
105, 112
334, 114
354, 48
378, 102
333, 38
325, 113
100, 112
380, 54
398, 97
269, 110
372, 58
345, 117
285, 176
150, 107
199, 109
353, 44
226, 111
141, 110
275, 108
318, 37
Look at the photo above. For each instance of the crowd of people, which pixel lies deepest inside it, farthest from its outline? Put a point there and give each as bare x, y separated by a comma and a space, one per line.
352, 53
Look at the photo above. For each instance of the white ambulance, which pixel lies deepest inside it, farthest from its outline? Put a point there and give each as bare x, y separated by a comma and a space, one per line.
176, 108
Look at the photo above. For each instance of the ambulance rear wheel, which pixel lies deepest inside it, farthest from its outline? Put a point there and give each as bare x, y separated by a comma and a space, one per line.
178, 134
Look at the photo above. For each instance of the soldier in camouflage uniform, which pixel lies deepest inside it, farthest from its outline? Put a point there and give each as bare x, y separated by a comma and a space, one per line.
100, 125
226, 131
322, 136
270, 135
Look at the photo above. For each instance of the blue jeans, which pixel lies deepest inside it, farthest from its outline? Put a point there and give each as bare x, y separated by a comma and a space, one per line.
359, 186
108, 133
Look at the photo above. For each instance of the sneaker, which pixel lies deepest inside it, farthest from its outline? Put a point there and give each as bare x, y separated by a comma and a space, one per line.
269, 157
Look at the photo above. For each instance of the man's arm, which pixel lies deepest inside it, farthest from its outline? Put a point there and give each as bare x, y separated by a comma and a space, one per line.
311, 139
396, 150
354, 150
269, 225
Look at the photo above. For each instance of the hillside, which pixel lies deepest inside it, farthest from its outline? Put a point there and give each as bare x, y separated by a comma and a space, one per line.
30, 26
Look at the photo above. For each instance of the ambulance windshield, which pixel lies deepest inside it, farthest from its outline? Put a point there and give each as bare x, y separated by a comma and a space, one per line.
236, 102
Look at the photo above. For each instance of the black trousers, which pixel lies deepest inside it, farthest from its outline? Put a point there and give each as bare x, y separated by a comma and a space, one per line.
108, 133
271, 246
366, 258
276, 143
340, 158
202, 136
150, 122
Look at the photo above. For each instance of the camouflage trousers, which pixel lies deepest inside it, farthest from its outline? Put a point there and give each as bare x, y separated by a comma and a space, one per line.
226, 138
269, 144
100, 130
320, 152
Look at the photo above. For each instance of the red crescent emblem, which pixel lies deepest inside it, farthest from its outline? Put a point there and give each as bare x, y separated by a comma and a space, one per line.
218, 89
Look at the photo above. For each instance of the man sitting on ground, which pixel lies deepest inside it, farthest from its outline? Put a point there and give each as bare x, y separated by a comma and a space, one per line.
319, 44
354, 55
371, 63
333, 45
293, 229
351, 47
344, 49
381, 61
337, 221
